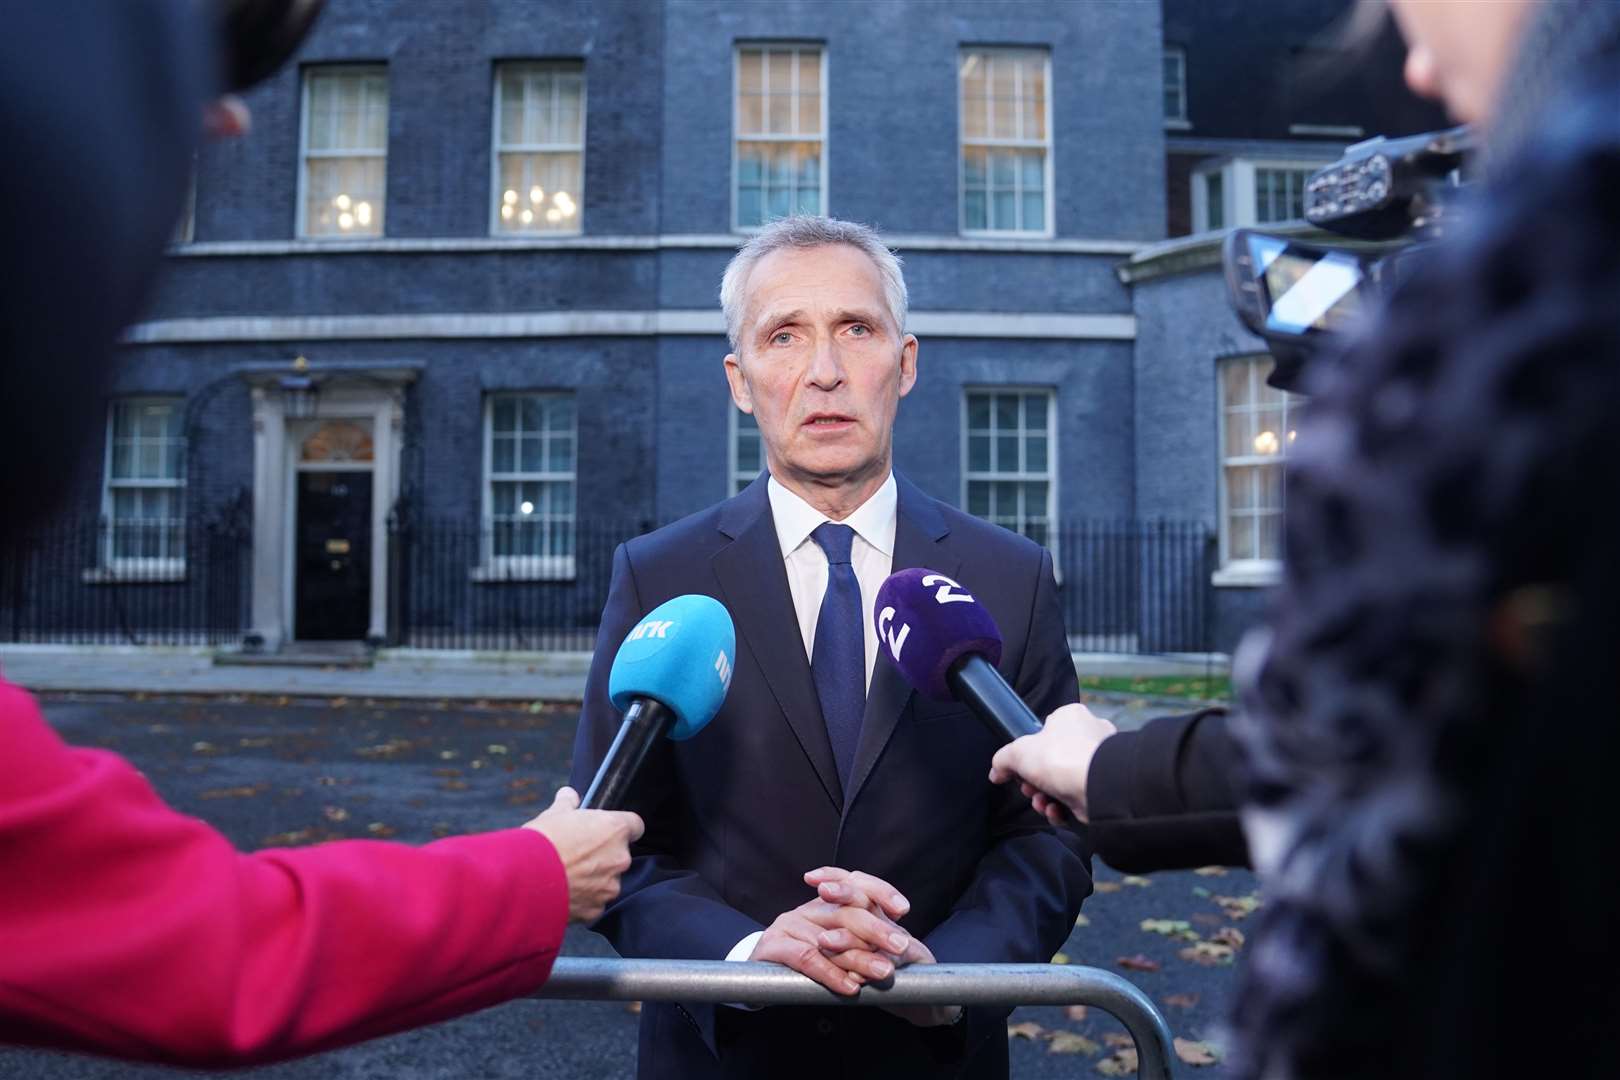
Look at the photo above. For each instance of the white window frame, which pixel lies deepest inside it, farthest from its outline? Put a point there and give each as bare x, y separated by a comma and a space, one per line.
497, 148
1050, 477
1178, 122
738, 138
1240, 191
523, 567
304, 152
737, 477
1249, 571
1046, 144
144, 567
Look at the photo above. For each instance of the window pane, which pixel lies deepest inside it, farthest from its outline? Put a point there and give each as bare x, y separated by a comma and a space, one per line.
779, 71
1003, 210
1034, 211
1035, 454
1006, 412
531, 414
974, 171
1270, 537
979, 412
751, 114
505, 411
750, 64
979, 453
750, 207
1239, 434
1242, 489
501, 454
531, 456
560, 456
1241, 537
1007, 454
973, 211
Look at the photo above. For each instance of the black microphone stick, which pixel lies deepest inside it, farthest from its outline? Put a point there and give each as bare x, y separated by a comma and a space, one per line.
644, 721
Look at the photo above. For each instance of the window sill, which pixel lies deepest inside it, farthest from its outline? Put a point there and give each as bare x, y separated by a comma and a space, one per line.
539, 568
166, 573
1248, 575
1178, 125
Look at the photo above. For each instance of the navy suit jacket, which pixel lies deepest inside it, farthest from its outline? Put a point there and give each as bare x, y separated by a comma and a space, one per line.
737, 814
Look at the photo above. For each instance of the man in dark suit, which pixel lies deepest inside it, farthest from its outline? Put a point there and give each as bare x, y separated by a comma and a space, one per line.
828, 819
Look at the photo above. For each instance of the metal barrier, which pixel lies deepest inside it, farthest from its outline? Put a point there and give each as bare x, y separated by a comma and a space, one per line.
590, 979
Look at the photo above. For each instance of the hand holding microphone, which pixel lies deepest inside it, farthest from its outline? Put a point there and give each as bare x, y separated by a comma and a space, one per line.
947, 645
1052, 766
670, 677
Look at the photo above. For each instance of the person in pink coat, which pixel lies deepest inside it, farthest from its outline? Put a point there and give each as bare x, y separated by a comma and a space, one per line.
127, 928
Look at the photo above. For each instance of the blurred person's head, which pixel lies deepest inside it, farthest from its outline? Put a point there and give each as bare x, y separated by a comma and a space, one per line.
815, 309
1461, 53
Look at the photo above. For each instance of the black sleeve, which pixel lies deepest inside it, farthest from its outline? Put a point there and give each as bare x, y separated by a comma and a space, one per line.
1166, 797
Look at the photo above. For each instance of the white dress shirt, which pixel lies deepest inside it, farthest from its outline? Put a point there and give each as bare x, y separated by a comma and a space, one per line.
872, 555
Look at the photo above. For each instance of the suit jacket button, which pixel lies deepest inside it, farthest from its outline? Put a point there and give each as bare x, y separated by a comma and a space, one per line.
824, 1026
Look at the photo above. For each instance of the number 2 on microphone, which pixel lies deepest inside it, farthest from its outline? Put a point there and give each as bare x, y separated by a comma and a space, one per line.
896, 641
944, 595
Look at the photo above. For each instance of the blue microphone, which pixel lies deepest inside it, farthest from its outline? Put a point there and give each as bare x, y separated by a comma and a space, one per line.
670, 676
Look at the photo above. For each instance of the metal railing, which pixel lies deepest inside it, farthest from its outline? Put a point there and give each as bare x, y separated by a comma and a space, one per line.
592, 979
1125, 586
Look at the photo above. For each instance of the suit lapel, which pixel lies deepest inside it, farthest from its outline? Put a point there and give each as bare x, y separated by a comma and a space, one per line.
754, 579
919, 540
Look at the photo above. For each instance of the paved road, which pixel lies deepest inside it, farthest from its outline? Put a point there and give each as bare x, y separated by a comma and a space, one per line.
279, 771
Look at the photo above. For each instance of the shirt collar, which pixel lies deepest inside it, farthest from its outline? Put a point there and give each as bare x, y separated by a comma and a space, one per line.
873, 521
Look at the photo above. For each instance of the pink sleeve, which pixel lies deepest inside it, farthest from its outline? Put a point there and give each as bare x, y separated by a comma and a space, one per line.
129, 929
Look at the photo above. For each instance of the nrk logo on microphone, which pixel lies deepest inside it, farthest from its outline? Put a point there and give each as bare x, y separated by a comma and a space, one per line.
928, 622
681, 654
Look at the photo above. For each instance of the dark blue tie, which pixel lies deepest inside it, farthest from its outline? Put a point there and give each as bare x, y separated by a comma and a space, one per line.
838, 659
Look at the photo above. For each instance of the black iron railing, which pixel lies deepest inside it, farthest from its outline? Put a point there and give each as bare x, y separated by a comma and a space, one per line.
1125, 586
99, 582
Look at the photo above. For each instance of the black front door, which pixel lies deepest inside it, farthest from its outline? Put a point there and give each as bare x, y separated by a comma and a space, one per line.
333, 556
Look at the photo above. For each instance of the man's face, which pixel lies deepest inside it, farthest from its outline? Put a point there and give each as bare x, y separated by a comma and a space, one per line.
822, 366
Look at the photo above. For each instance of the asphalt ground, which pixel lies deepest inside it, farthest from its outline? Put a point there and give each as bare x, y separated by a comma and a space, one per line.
286, 772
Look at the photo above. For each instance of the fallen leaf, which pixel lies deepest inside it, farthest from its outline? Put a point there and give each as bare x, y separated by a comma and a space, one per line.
1204, 918
1239, 907
1081, 920
1196, 1054
633, 1007
1137, 963
1173, 928
1228, 935
338, 702
1060, 958
1106, 886
1135, 880
456, 785
201, 747
289, 839
1077, 1013
446, 772
1119, 1063
1207, 953
495, 748
246, 791
447, 755
1069, 1042
1182, 1001
377, 828
441, 830
1199, 890
255, 743
1211, 871
1118, 1039
335, 813
1029, 1029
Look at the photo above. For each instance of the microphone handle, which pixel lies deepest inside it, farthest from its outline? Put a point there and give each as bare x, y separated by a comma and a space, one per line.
975, 682
644, 722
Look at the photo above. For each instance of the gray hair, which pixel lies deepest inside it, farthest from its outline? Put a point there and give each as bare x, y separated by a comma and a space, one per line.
808, 231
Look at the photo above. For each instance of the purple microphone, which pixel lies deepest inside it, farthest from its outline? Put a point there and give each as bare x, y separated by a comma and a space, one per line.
947, 646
